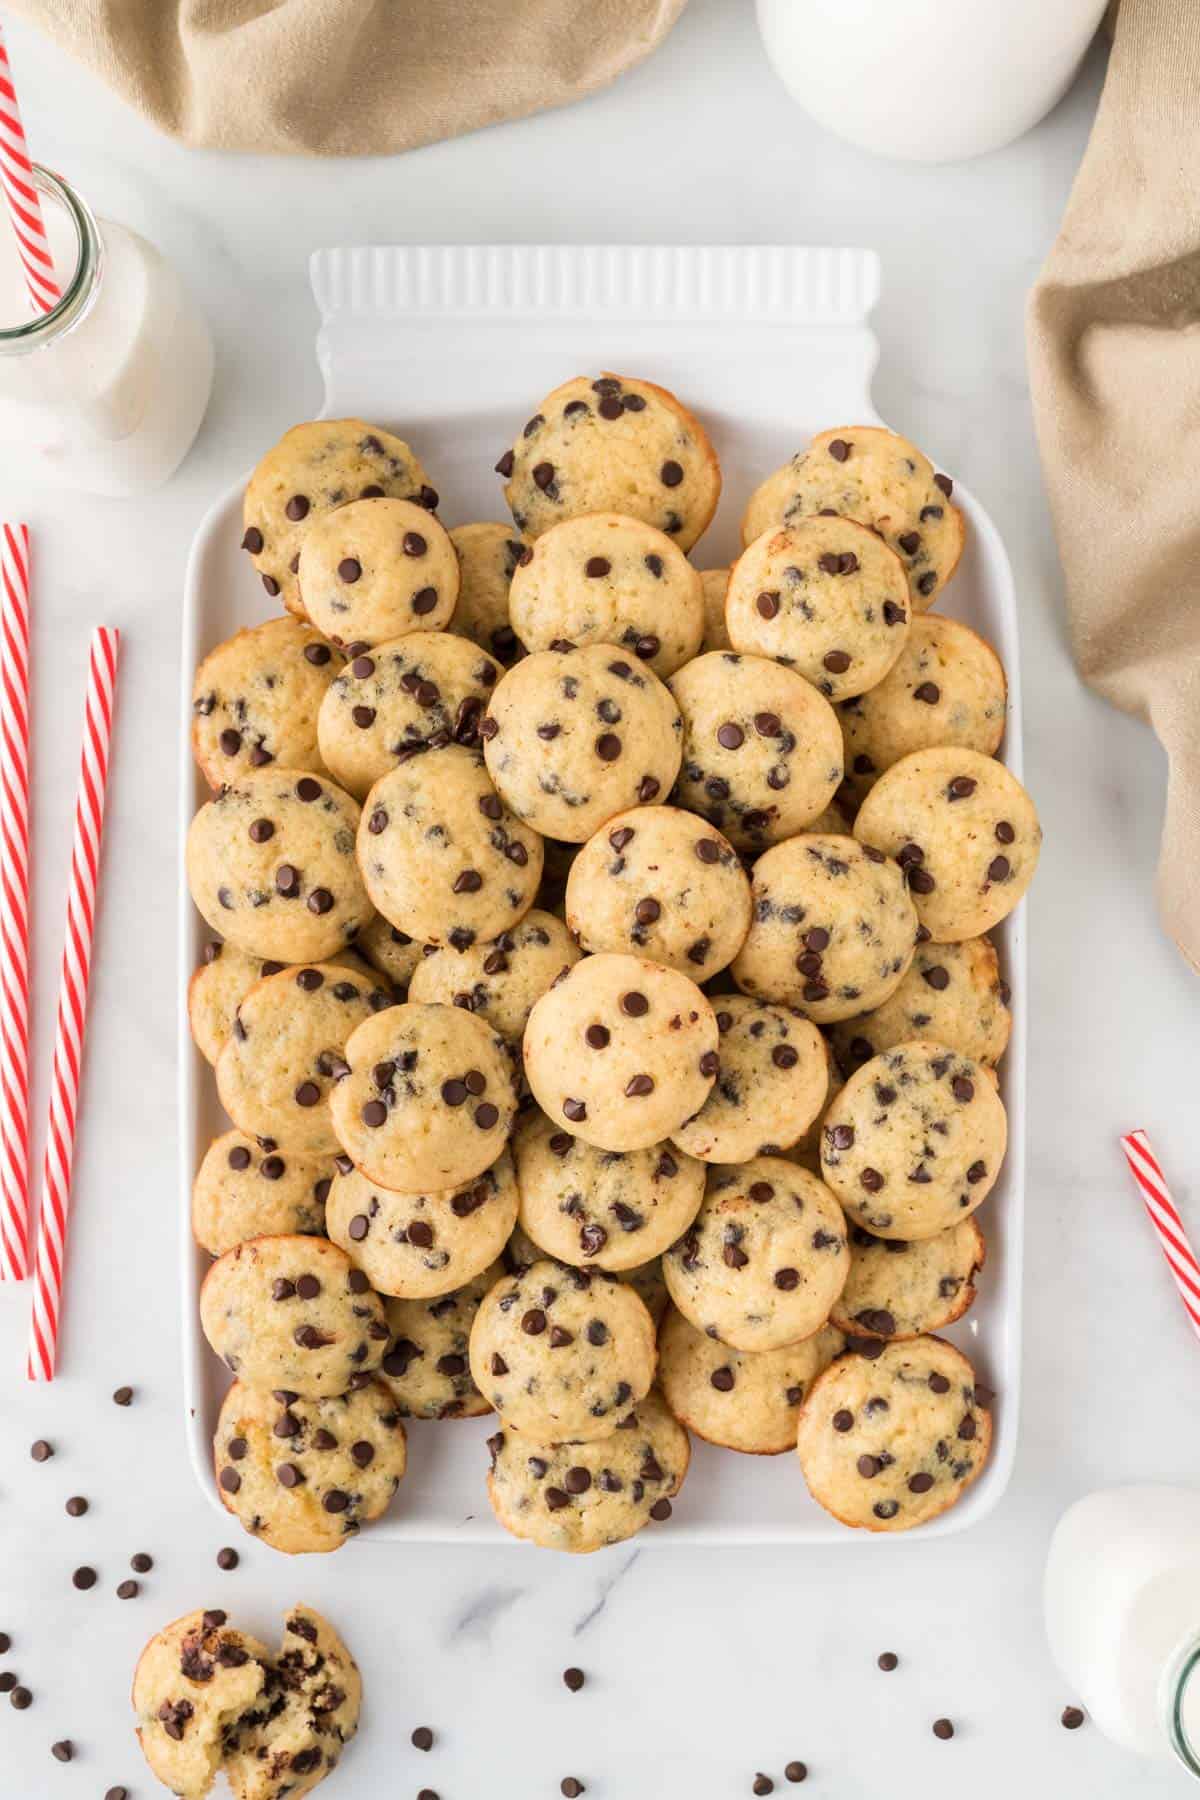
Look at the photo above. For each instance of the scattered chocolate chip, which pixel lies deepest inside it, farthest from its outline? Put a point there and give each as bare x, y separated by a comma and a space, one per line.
1072, 1718
796, 1771
422, 1738
887, 1661
21, 1698
63, 1751
76, 1506
227, 1558
41, 1451
942, 1728
84, 1578
762, 1785
128, 1590
140, 1562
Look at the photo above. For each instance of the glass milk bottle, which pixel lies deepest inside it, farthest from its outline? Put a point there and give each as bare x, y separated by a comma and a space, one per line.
1122, 1597
106, 392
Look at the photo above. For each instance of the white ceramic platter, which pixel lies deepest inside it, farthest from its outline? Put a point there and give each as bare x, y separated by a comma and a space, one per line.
452, 348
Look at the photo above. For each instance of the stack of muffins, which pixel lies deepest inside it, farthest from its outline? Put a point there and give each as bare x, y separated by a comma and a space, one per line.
603, 1001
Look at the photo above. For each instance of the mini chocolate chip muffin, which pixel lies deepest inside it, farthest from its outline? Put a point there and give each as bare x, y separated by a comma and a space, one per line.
499, 979
430, 1098
833, 929
418, 1245
487, 555
825, 597
443, 858
582, 1497
293, 1312
225, 975
195, 1683
314, 468
574, 736
603, 578
952, 994
964, 831
306, 1475
244, 1190
562, 1354
621, 1051
392, 951
877, 477
613, 444
287, 1049
893, 1441
901, 1290
427, 1366
400, 699
773, 1083
714, 586
376, 569
606, 1209
659, 881
742, 1400
915, 1140
762, 755
312, 1698
765, 1258
255, 700
270, 865
947, 686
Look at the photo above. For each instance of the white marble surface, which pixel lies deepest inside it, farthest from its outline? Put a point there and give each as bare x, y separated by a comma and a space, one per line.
701, 1670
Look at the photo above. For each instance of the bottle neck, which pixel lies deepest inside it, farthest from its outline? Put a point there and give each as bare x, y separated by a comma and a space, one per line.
1179, 1703
85, 253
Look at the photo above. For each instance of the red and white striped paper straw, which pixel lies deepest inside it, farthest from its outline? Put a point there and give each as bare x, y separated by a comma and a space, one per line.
72, 1003
24, 201
1164, 1217
14, 902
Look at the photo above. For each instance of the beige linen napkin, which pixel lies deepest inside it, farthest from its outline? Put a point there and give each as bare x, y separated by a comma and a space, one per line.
349, 77
1114, 356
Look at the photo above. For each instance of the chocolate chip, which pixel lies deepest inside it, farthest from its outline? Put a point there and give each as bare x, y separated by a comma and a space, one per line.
505, 465
945, 484
796, 1771
140, 1562
887, 1661
63, 1751
839, 449
597, 566
671, 474
638, 1086
920, 1484
424, 601
647, 911
41, 1451
349, 569
762, 1784
722, 1379
597, 1036
962, 787
533, 1323
634, 1004
21, 1698
710, 1063
84, 1578
962, 1089
374, 1114
608, 746
230, 1480
787, 1279
1072, 1718
999, 869
573, 1679
928, 692
422, 1738
575, 1110
76, 1506
486, 1116
836, 661
939, 1384
767, 605
543, 475
648, 789
253, 540
942, 1728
